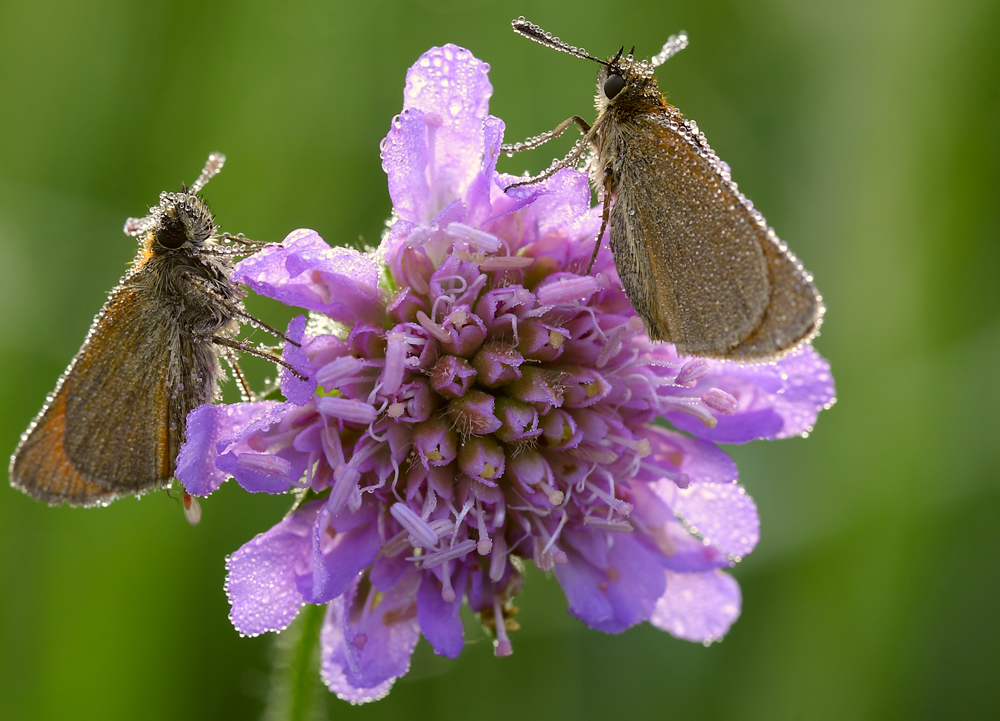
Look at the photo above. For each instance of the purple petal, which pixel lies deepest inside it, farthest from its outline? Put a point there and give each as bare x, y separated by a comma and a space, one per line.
721, 513
364, 653
698, 606
343, 546
777, 400
297, 391
235, 450
808, 389
262, 574
307, 273
451, 89
680, 551
700, 461
564, 200
617, 596
439, 619
741, 427
196, 467
387, 570
478, 197
684, 553
404, 159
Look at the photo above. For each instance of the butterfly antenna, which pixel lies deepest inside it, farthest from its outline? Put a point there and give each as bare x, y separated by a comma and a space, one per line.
533, 32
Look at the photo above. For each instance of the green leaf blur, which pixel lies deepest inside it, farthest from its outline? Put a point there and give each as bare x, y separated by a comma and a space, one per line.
865, 131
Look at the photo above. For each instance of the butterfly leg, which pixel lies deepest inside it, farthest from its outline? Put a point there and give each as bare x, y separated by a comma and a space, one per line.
569, 161
243, 240
258, 323
604, 222
539, 140
246, 394
244, 347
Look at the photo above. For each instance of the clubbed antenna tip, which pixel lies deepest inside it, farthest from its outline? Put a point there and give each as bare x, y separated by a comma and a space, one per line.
213, 166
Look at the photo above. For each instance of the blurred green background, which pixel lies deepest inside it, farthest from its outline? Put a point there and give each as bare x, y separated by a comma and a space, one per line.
866, 131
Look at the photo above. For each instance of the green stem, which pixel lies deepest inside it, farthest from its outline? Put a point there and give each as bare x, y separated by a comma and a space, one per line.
296, 693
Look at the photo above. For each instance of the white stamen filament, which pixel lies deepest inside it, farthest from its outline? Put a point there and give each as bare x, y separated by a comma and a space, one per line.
268, 465
506, 262
423, 534
605, 525
502, 646
479, 239
433, 328
346, 409
436, 559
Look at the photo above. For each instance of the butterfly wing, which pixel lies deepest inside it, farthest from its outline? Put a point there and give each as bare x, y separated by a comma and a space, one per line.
106, 429
702, 270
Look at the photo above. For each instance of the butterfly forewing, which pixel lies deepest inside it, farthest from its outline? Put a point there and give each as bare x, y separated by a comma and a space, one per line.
720, 283
85, 450
123, 445
707, 266
41, 468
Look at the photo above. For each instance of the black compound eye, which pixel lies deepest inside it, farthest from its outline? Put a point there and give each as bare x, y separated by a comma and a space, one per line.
171, 233
613, 85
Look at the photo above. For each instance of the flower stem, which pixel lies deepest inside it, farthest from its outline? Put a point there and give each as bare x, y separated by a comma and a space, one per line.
296, 694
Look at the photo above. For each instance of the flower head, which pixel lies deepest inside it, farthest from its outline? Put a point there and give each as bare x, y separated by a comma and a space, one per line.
474, 400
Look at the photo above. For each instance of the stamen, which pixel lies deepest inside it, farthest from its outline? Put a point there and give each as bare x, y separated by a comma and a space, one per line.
479, 239
422, 533
506, 262
554, 495
498, 558
721, 402
436, 559
691, 406
555, 533
623, 507
442, 527
639, 445
397, 544
680, 479
335, 372
543, 560
692, 372
447, 592
502, 646
466, 507
610, 348
433, 328
345, 481
274, 466
485, 544
395, 363
602, 524
345, 409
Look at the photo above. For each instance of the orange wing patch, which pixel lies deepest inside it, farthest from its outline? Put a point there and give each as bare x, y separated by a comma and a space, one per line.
42, 470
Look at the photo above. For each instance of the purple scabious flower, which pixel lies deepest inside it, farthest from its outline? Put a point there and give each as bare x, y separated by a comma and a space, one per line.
475, 401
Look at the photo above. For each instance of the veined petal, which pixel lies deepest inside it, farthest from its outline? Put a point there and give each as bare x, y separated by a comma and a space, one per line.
698, 606
307, 273
262, 582
367, 644
206, 425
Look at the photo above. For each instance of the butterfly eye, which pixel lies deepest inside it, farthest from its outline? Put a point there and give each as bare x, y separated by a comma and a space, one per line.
613, 85
171, 233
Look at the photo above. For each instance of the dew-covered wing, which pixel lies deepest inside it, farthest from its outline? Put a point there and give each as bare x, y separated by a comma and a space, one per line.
717, 283
106, 430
